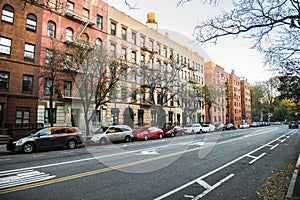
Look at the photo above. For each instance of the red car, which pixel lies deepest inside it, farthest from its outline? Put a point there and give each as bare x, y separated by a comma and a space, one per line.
148, 133
176, 130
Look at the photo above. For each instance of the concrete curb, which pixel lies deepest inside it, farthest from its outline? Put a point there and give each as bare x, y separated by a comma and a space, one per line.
290, 191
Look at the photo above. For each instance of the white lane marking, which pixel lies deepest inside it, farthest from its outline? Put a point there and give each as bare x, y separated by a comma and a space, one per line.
111, 155
22, 177
149, 152
217, 169
256, 158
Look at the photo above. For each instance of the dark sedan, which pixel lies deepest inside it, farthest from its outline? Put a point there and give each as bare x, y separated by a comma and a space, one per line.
51, 137
293, 124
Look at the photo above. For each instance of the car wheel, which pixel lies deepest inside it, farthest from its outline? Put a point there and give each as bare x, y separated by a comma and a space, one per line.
160, 136
127, 139
172, 134
192, 132
200, 131
146, 137
102, 141
28, 147
71, 144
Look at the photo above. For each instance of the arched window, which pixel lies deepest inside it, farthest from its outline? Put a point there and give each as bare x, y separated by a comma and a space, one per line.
99, 42
8, 14
69, 34
31, 22
51, 29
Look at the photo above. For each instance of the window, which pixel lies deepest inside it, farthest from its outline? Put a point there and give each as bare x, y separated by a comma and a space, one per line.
123, 94
68, 61
5, 46
86, 13
29, 52
51, 29
133, 56
31, 22
165, 52
99, 22
7, 14
142, 59
158, 64
133, 76
124, 33
69, 34
49, 57
22, 118
67, 88
158, 48
99, 42
113, 49
70, 7
151, 45
124, 74
171, 53
4, 81
47, 87
124, 53
133, 96
27, 84
142, 41
133, 38
47, 115
113, 28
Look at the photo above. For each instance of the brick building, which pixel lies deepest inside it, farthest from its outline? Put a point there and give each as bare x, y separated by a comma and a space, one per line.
20, 39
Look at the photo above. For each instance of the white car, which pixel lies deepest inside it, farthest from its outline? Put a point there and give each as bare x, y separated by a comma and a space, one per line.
111, 134
244, 125
208, 128
192, 128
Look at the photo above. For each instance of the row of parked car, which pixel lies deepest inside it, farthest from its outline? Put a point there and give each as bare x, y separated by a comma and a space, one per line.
70, 137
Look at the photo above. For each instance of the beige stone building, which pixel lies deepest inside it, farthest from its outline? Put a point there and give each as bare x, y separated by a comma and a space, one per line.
145, 49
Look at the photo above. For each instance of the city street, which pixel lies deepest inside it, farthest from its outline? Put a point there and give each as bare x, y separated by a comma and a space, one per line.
218, 165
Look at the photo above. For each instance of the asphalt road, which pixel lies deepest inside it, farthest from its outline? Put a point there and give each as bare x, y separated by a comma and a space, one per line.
219, 165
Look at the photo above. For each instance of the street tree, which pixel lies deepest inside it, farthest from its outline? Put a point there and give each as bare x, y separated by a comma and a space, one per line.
209, 95
50, 77
162, 83
95, 73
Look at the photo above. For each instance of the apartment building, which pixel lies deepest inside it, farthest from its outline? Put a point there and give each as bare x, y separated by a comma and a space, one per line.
217, 78
65, 23
233, 105
246, 101
144, 48
19, 66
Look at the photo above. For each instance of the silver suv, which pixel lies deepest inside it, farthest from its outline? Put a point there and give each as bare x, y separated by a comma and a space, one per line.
193, 128
111, 134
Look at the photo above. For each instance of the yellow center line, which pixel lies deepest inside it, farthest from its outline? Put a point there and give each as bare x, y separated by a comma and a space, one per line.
98, 171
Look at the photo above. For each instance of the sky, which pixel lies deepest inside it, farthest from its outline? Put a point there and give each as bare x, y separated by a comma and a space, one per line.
231, 53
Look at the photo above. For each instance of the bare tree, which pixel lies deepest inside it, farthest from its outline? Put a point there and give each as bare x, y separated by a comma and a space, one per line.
272, 25
209, 95
95, 73
162, 82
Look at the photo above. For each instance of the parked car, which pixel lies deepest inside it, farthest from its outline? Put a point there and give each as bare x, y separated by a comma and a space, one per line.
47, 138
254, 124
230, 126
115, 133
208, 128
244, 125
148, 133
192, 128
220, 127
293, 124
176, 130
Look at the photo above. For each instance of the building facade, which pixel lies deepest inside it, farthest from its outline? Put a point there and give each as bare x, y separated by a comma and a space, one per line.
20, 31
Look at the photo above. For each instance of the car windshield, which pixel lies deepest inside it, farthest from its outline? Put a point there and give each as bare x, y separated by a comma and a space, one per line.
205, 125
189, 125
100, 130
